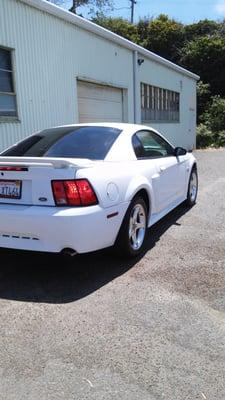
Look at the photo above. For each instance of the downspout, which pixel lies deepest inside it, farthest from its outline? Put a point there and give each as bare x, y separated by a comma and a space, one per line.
135, 85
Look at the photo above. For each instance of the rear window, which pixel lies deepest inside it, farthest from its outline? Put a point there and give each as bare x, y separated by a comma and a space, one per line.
91, 142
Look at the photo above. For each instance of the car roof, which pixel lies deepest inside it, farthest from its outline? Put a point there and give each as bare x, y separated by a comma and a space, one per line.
125, 127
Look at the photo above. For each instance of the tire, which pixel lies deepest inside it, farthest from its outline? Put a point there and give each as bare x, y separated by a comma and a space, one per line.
131, 239
192, 188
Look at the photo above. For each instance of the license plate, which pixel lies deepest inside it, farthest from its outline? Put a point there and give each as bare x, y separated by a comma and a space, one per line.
10, 189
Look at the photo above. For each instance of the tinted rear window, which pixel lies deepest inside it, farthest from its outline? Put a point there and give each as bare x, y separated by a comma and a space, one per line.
91, 142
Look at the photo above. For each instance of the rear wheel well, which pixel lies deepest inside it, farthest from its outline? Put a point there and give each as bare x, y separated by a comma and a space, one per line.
144, 195
125, 243
194, 166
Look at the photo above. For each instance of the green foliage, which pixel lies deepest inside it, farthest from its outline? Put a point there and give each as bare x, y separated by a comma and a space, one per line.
120, 26
204, 137
222, 28
214, 116
201, 28
163, 36
211, 132
220, 139
203, 89
206, 57
142, 28
203, 97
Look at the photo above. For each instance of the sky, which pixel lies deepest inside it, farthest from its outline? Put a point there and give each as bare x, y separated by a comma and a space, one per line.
187, 11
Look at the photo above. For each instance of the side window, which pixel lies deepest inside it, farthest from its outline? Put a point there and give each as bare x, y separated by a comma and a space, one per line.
153, 145
137, 146
7, 90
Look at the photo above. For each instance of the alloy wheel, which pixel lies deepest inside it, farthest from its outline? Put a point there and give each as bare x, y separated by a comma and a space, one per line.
137, 226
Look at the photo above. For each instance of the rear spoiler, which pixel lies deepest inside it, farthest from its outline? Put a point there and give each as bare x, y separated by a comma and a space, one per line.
57, 163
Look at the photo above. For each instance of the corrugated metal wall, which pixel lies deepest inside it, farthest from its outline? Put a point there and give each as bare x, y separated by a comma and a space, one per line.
49, 55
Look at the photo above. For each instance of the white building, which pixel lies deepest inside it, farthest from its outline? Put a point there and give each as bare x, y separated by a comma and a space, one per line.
57, 68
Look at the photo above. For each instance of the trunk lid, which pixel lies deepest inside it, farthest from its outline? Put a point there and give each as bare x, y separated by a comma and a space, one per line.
27, 180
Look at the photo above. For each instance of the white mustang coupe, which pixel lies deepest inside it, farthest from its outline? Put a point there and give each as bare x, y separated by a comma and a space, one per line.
81, 188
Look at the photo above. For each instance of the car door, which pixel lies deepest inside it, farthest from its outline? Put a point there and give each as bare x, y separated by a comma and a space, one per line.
168, 182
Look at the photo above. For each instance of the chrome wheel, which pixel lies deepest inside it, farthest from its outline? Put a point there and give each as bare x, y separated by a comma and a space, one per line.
137, 226
193, 188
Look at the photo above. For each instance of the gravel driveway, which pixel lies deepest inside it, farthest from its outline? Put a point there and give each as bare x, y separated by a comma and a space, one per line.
101, 328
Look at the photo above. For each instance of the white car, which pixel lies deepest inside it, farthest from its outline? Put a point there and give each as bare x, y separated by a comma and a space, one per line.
85, 187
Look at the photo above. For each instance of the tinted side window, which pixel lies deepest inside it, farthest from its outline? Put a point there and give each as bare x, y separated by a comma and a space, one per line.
137, 146
154, 145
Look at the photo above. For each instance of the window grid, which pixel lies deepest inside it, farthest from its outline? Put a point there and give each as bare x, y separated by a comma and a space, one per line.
159, 104
8, 106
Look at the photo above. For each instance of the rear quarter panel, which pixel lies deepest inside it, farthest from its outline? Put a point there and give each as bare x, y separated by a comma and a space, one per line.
118, 182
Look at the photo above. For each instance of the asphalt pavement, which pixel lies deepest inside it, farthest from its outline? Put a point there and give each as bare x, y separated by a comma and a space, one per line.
100, 328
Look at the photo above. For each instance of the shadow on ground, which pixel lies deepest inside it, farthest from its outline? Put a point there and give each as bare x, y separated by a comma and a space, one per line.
46, 278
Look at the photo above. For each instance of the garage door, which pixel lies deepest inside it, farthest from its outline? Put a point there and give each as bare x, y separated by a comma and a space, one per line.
98, 103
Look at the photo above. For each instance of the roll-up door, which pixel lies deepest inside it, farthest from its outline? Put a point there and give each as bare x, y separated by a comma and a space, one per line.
99, 103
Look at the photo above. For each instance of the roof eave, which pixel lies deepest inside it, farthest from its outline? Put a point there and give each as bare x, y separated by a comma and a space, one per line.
105, 33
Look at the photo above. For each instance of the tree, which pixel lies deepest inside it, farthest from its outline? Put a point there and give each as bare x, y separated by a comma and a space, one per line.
222, 28
206, 57
211, 131
76, 4
201, 28
120, 26
95, 5
142, 27
203, 97
214, 116
163, 36
204, 136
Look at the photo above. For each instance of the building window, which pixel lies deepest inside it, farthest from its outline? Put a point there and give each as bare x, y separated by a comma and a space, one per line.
159, 104
7, 90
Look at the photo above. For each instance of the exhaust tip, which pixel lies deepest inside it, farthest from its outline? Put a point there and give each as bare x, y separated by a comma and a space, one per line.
68, 252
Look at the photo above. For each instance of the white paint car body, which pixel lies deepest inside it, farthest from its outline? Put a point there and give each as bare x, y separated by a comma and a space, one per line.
29, 225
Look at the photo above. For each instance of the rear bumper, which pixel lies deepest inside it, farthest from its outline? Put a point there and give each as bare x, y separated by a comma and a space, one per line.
53, 229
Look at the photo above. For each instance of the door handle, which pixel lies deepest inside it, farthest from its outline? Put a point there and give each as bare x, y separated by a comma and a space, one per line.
162, 169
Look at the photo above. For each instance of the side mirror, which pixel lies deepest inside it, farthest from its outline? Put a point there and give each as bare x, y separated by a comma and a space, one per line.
179, 151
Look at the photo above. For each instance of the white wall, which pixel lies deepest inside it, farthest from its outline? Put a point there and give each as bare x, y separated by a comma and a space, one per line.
182, 133
50, 54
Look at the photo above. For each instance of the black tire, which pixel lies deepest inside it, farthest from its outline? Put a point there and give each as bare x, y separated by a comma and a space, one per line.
124, 243
192, 193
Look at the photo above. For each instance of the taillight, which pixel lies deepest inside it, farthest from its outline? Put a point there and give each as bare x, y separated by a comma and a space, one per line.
72, 194
86, 192
77, 192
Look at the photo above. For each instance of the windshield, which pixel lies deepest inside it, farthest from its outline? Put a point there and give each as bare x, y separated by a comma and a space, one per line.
91, 142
